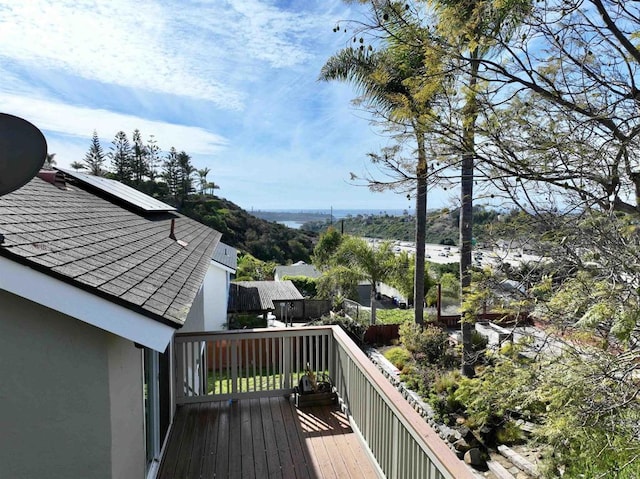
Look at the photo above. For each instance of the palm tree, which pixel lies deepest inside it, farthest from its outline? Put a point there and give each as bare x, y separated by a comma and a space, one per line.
49, 162
374, 265
211, 187
76, 165
386, 79
202, 178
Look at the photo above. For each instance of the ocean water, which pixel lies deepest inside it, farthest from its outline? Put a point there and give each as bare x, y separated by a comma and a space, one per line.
343, 213
338, 214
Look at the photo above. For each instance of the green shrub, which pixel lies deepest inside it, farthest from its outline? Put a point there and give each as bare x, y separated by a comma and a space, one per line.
428, 345
509, 433
398, 356
304, 284
441, 397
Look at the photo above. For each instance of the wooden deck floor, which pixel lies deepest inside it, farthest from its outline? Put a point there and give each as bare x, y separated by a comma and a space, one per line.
263, 438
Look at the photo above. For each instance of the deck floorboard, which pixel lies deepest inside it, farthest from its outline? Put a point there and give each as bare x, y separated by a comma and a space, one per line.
263, 438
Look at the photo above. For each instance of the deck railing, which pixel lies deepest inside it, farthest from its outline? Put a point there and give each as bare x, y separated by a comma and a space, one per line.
269, 362
248, 363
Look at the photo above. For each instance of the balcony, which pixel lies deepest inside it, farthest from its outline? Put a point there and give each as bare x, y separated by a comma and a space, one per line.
236, 418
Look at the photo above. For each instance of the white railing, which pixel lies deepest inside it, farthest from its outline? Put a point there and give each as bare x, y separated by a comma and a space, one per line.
254, 363
269, 362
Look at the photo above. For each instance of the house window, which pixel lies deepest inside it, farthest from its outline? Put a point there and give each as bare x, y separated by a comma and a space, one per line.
157, 405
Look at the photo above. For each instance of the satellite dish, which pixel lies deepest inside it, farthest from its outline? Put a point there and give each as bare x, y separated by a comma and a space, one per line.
23, 150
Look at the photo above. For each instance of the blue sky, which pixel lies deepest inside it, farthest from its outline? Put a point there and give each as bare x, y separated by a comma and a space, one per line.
231, 82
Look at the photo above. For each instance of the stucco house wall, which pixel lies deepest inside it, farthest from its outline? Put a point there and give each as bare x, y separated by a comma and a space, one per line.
216, 286
71, 395
54, 392
126, 379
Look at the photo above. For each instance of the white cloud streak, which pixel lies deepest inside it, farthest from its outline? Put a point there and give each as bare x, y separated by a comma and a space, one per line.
80, 122
197, 51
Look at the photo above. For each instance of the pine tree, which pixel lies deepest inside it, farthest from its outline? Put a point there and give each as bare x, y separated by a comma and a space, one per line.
171, 173
186, 176
121, 158
94, 159
152, 157
138, 158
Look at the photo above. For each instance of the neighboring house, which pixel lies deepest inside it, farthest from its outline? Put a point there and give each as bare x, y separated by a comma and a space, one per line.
95, 278
263, 297
298, 269
218, 282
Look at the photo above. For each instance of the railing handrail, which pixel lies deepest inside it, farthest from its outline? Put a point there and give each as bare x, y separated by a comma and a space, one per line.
412, 421
252, 333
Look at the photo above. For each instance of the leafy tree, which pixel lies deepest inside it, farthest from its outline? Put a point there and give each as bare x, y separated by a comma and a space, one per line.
402, 276
468, 28
95, 158
210, 187
304, 284
121, 158
326, 247
588, 424
251, 268
336, 283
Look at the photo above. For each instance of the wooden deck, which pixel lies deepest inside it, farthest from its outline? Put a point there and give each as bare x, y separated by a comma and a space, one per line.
263, 438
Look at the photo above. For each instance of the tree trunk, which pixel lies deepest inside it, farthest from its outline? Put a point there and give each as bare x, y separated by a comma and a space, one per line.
469, 117
373, 303
421, 227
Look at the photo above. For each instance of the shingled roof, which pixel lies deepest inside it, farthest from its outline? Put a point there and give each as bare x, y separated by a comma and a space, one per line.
299, 269
121, 254
258, 296
226, 256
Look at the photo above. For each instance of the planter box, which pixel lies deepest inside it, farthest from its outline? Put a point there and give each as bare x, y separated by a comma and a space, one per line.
316, 399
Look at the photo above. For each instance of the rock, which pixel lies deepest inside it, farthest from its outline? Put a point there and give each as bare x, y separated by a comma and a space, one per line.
461, 445
475, 458
522, 463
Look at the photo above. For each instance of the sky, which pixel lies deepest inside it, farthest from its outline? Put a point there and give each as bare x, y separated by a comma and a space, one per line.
234, 83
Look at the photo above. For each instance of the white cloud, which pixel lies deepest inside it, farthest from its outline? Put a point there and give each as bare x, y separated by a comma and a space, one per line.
231, 82
199, 51
80, 122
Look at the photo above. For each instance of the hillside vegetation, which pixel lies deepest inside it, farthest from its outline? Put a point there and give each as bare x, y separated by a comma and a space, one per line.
263, 239
442, 225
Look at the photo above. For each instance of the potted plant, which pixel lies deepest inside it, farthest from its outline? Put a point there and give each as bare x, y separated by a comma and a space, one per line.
313, 392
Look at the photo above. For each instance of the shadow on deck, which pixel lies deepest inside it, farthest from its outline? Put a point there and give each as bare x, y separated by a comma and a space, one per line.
263, 438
